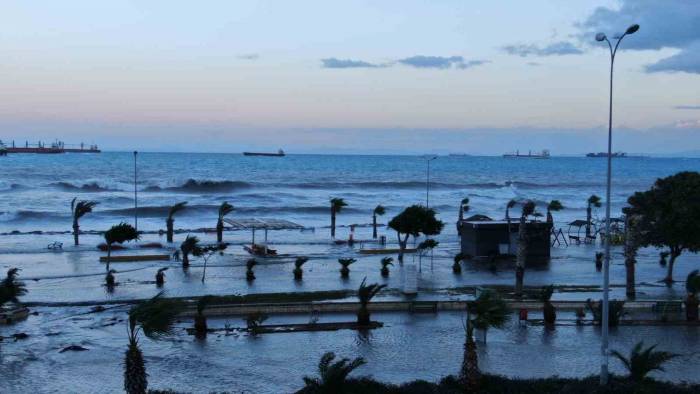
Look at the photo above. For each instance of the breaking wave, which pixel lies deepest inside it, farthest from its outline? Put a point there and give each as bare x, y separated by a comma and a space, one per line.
92, 187
195, 186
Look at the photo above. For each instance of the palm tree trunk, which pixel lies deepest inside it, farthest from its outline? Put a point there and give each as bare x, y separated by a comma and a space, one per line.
691, 307
631, 246
469, 374
135, 376
169, 227
630, 281
669, 273
363, 318
220, 231
76, 231
374, 226
510, 246
588, 221
332, 223
109, 254
402, 246
521, 257
185, 260
200, 325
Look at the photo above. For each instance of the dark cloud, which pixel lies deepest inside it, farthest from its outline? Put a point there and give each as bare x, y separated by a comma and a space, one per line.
249, 56
691, 107
534, 64
664, 24
440, 62
555, 49
332, 62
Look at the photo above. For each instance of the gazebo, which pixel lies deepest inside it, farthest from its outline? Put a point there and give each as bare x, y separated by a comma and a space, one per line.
261, 224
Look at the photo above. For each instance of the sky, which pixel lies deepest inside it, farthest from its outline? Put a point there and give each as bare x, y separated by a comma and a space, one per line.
397, 77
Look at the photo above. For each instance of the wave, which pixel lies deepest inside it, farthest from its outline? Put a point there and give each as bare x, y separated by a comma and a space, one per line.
92, 187
374, 185
14, 188
206, 186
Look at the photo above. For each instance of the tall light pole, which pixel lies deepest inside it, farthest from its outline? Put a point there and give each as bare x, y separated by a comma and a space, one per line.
428, 159
136, 199
604, 349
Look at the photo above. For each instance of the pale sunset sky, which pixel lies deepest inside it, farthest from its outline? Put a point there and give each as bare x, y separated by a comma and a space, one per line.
388, 76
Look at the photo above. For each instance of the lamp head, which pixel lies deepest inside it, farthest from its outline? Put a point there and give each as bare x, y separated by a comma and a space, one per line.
632, 29
600, 37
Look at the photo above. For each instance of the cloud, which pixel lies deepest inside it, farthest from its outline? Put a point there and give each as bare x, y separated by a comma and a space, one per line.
440, 62
687, 107
249, 56
534, 64
663, 24
555, 49
688, 124
332, 62
419, 61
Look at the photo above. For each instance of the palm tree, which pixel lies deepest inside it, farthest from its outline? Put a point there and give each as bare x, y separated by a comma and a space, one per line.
616, 309
488, 310
190, 246
510, 205
632, 242
170, 221
463, 208
345, 270
599, 260
298, 271
155, 318
379, 210
523, 240
249, 274
593, 201
224, 209
386, 262
553, 206
365, 293
332, 375
457, 266
642, 361
425, 246
160, 277
79, 210
200, 320
549, 311
11, 288
692, 286
120, 233
110, 280
337, 205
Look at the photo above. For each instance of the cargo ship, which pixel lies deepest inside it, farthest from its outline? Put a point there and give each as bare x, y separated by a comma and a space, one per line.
605, 154
542, 155
279, 153
53, 148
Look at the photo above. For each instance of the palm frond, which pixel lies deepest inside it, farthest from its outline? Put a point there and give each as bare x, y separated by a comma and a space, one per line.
458, 257
641, 361
337, 204
490, 310
594, 201
528, 208
387, 261
511, 203
428, 244
224, 209
203, 302
190, 245
366, 292
346, 262
332, 375
156, 316
379, 210
82, 207
121, 233
546, 293
301, 260
11, 288
250, 264
176, 208
555, 205
692, 282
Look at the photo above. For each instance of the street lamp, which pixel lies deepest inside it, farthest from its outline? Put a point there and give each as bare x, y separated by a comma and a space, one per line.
136, 203
428, 159
606, 267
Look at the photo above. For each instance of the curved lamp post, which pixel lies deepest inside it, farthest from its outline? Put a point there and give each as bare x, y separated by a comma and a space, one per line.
606, 267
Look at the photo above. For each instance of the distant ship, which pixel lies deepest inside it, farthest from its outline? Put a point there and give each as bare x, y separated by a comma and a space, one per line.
279, 153
542, 155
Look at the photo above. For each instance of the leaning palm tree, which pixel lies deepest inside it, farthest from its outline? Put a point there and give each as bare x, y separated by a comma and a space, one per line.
463, 208
155, 318
337, 205
345, 270
11, 288
120, 233
553, 206
249, 274
332, 375
488, 310
170, 221
386, 262
510, 205
224, 209
642, 361
593, 201
79, 209
548, 310
110, 280
692, 287
457, 267
298, 263
365, 293
160, 276
523, 240
190, 246
379, 210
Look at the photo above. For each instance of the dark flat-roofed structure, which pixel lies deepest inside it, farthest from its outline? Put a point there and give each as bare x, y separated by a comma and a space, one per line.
486, 238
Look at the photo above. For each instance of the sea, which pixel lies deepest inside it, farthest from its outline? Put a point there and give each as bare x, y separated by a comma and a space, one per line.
36, 190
